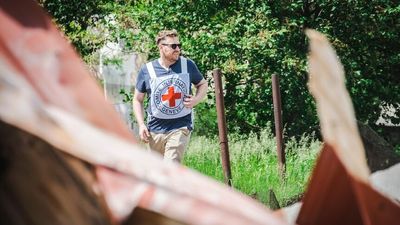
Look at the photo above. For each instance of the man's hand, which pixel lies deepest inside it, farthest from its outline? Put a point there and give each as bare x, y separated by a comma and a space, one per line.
138, 97
189, 101
144, 133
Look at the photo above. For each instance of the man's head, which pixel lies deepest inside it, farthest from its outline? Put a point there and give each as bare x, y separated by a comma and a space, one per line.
168, 44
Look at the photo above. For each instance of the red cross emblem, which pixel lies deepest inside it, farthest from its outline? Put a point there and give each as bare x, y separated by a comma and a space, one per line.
171, 96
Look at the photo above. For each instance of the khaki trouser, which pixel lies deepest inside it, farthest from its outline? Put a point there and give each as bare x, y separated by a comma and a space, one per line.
172, 144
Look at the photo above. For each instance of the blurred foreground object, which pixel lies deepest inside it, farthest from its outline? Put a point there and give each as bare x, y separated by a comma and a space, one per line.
339, 191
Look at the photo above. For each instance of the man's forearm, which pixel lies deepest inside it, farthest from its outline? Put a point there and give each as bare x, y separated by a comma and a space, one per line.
139, 112
201, 91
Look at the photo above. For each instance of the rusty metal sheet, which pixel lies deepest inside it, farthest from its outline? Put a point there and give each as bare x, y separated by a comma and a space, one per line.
339, 191
335, 197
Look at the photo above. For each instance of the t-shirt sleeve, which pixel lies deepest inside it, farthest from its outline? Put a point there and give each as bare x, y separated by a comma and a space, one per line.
140, 81
195, 75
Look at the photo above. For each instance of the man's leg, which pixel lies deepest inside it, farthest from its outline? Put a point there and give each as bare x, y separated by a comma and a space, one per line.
157, 142
176, 144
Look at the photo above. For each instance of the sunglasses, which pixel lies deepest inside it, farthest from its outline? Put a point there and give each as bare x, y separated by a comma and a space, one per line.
173, 46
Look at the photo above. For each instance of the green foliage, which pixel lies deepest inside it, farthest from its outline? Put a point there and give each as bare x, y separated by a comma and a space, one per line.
127, 95
251, 40
74, 18
254, 164
249, 45
366, 38
397, 149
205, 119
116, 61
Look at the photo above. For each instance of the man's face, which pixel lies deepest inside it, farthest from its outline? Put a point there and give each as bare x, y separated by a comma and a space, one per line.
167, 48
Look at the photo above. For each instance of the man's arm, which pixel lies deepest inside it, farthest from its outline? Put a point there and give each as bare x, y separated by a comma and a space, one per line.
201, 92
138, 110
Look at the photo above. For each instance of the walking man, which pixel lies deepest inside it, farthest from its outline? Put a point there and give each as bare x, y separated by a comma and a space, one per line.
167, 82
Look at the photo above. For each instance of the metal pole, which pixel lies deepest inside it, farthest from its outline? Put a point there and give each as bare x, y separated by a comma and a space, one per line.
219, 97
276, 96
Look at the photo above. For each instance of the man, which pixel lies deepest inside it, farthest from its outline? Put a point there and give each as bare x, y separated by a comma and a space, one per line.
167, 82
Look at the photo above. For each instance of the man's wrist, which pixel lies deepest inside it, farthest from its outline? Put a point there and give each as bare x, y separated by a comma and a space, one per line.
194, 101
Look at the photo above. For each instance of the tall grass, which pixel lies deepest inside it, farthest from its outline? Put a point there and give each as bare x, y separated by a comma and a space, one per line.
254, 164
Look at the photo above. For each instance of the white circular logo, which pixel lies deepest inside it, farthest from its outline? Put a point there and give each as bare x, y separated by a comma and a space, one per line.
168, 96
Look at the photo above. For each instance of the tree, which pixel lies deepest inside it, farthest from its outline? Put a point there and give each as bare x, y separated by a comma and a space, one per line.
74, 18
251, 40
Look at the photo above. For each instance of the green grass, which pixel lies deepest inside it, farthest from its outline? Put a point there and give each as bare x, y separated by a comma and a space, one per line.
254, 164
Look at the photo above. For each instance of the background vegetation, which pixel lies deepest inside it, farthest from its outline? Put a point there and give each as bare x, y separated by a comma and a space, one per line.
251, 40
254, 164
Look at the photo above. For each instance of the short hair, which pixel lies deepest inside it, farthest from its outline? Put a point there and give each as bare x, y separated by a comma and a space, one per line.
166, 33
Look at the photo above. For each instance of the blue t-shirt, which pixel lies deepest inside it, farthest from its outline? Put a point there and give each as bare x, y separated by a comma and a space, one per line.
157, 125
